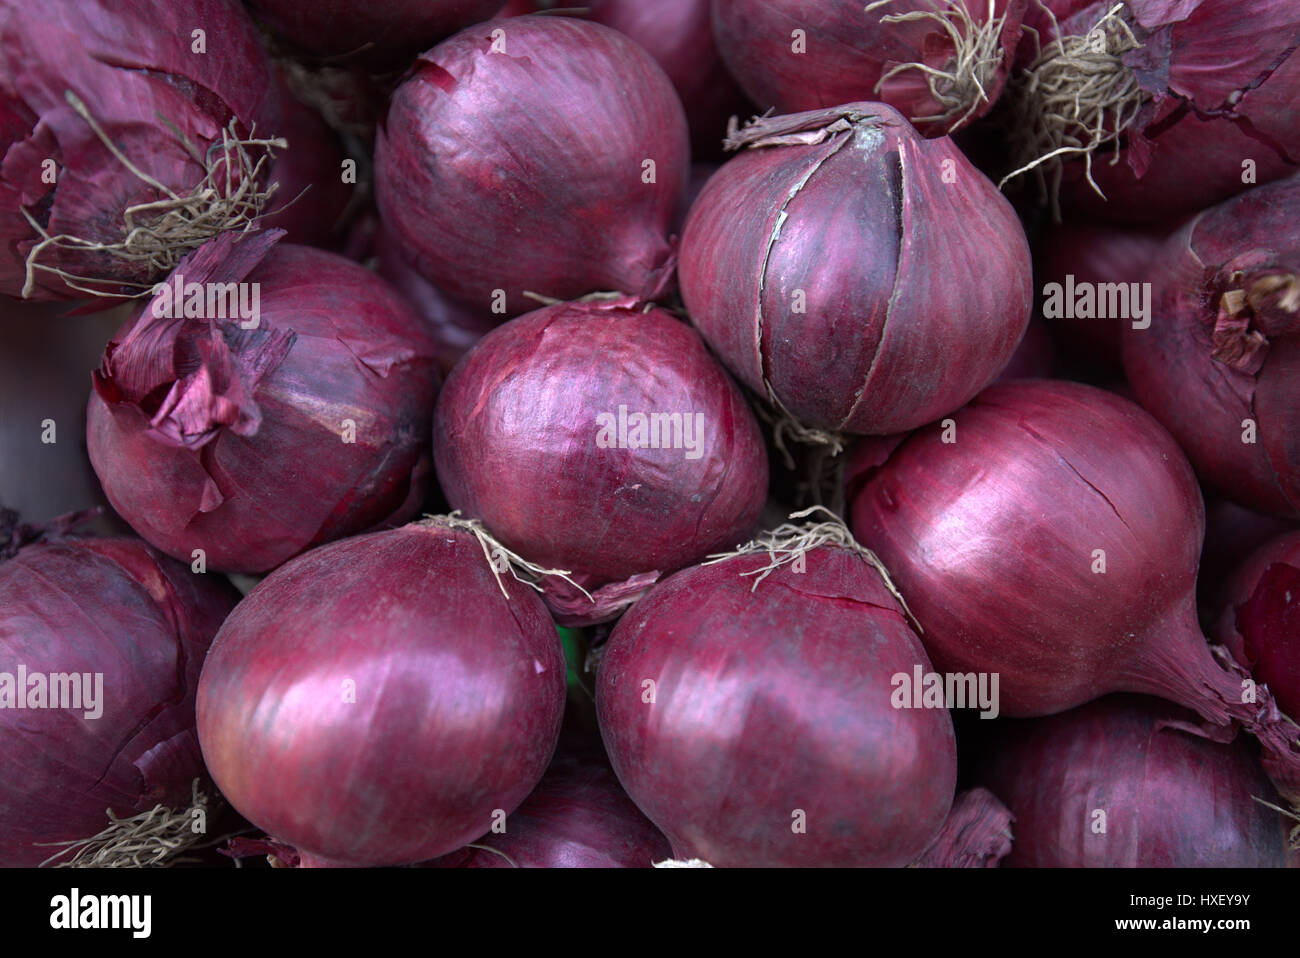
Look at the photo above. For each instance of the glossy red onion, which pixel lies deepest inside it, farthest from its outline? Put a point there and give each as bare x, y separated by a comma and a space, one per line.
554, 167
809, 54
577, 817
255, 444
139, 625
874, 279
998, 539
1207, 101
1220, 364
544, 431
1125, 783
378, 700
133, 66
1260, 620
382, 35
754, 724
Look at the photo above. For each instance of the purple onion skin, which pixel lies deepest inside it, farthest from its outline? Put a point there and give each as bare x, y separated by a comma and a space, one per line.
1206, 366
906, 317
1260, 621
459, 694
382, 35
773, 700
1226, 89
847, 52
131, 63
516, 442
1171, 799
117, 607
252, 494
524, 171
577, 817
310, 193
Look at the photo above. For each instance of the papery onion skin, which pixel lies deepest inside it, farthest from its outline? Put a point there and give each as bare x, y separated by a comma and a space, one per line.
904, 316
525, 171
577, 817
1260, 621
120, 608
1223, 348
766, 703
1169, 799
1225, 88
977, 833
517, 442
132, 63
382, 35
846, 52
255, 465
458, 698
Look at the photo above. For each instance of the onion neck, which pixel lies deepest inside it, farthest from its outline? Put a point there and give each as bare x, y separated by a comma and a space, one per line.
1253, 306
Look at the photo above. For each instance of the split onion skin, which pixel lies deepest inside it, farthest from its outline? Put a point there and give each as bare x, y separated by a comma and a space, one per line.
459, 694
771, 702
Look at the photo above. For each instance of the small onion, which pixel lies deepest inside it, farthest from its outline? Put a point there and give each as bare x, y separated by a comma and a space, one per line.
541, 154
253, 444
1219, 365
138, 624
1125, 782
870, 279
379, 700
544, 432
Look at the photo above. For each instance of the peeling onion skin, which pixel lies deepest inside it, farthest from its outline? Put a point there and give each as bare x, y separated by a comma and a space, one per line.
254, 492
773, 700
523, 171
1260, 621
459, 695
118, 607
516, 442
1171, 799
1207, 364
847, 52
907, 314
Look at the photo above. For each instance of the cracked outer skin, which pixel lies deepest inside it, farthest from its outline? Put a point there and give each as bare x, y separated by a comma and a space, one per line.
1201, 399
990, 539
772, 699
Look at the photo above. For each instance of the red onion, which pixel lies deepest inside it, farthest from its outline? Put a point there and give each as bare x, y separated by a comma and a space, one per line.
998, 539
133, 627
1120, 783
384, 699
938, 62
310, 194
1201, 98
1260, 621
455, 327
79, 75
977, 833
828, 265
1232, 533
1219, 365
554, 167
253, 444
1078, 256
752, 720
383, 35
577, 817
604, 440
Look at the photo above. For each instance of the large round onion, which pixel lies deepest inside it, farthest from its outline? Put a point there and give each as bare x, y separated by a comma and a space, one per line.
1219, 365
541, 154
132, 66
255, 444
870, 279
1120, 783
380, 701
754, 724
1050, 533
536, 433
139, 625
942, 64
